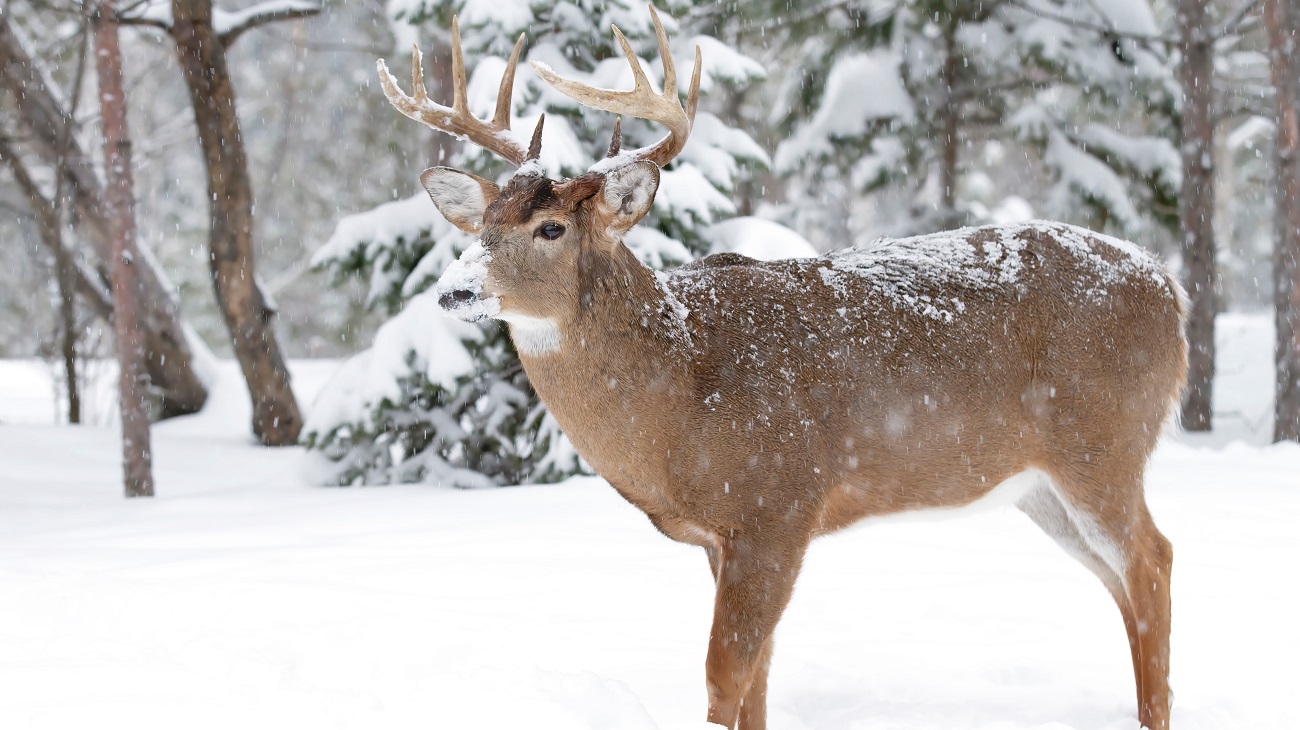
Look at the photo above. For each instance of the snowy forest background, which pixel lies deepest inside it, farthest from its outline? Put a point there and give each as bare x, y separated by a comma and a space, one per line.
822, 124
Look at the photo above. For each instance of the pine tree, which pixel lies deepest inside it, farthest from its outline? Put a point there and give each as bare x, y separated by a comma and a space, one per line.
957, 91
436, 400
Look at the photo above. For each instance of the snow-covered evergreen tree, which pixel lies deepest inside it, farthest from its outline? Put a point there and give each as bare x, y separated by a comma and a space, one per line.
940, 109
437, 400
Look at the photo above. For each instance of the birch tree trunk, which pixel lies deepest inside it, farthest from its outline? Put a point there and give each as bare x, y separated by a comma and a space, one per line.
1196, 209
1282, 22
202, 54
119, 200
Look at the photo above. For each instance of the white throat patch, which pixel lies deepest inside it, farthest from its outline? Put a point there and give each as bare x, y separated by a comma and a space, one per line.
533, 336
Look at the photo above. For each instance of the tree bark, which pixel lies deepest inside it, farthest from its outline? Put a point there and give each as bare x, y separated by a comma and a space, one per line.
949, 217
65, 276
1196, 209
202, 55
1282, 23
169, 359
119, 199
65, 267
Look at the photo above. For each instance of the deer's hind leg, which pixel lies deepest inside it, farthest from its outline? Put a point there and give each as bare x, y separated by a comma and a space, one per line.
753, 706
1107, 527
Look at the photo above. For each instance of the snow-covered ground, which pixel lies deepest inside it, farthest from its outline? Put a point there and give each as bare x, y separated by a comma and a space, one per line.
243, 597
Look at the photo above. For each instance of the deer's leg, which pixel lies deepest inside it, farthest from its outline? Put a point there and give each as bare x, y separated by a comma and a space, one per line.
1046, 510
753, 706
1115, 537
754, 585
1151, 558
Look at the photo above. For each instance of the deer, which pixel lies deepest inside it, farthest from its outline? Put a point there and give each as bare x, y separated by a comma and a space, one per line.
747, 407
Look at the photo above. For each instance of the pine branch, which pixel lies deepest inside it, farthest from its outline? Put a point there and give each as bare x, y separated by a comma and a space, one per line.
1075, 22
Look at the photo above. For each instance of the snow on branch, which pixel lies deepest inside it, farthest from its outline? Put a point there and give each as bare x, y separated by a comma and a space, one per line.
1092, 180
229, 25
1118, 19
845, 111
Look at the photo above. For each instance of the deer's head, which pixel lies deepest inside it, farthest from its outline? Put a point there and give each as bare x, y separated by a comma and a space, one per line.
539, 239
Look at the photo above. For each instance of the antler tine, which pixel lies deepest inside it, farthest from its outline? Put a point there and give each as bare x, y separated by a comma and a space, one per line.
670, 72
693, 94
642, 101
535, 146
417, 74
457, 121
615, 141
501, 118
459, 100
640, 84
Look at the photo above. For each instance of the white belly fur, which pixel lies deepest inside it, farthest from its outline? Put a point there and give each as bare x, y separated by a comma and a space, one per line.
1004, 494
1011, 491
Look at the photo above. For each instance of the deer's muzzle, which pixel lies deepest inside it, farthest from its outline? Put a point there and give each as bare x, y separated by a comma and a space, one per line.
460, 289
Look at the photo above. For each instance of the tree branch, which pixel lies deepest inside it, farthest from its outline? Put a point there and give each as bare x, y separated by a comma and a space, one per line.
1234, 19
152, 13
230, 26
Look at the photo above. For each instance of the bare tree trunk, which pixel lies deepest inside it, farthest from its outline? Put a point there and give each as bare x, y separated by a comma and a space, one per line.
119, 197
65, 267
168, 356
1196, 209
68, 276
276, 419
948, 157
65, 277
1282, 21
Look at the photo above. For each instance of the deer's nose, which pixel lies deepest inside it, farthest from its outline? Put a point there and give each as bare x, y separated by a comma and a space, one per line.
454, 298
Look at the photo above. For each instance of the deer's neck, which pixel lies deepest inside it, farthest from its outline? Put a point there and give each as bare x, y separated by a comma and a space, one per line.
615, 375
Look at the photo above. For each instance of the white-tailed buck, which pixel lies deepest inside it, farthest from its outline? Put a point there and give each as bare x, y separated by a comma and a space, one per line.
748, 407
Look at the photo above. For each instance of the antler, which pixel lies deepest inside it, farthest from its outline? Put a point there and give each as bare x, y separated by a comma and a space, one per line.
493, 136
642, 101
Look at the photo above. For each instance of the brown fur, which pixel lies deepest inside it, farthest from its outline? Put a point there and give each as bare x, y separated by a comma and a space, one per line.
779, 409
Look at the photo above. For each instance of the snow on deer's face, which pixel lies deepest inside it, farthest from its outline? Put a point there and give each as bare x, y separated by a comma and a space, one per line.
539, 239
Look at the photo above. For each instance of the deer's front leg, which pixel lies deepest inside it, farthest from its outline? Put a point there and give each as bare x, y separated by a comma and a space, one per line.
755, 580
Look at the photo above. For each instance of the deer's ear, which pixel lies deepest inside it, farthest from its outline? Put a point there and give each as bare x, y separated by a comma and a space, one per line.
627, 193
460, 196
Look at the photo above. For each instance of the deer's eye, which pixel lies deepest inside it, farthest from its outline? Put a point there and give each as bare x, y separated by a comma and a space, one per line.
549, 230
